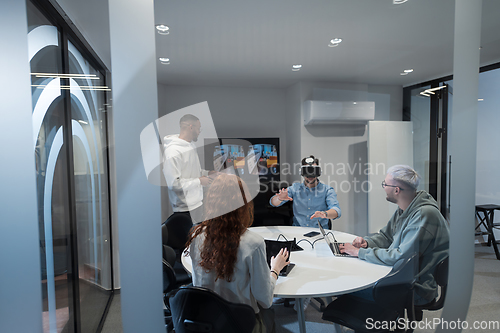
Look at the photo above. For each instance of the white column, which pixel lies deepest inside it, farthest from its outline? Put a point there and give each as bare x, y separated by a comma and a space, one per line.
138, 210
463, 156
20, 286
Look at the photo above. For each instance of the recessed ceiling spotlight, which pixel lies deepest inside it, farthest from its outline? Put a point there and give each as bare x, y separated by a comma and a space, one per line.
480, 99
164, 61
296, 67
163, 29
335, 42
408, 70
398, 2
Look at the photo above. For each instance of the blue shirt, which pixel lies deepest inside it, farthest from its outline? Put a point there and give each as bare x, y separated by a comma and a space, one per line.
306, 201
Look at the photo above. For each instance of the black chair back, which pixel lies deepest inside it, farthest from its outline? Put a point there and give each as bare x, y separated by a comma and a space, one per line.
178, 226
169, 278
441, 277
168, 252
393, 297
174, 233
196, 309
395, 290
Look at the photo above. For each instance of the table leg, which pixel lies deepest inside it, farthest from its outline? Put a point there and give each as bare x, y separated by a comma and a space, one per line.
492, 240
301, 315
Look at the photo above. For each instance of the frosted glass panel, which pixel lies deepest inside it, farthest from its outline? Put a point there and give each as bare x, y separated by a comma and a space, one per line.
72, 179
88, 125
389, 143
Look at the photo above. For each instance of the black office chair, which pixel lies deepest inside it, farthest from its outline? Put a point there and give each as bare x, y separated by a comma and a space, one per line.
173, 277
196, 309
171, 256
441, 277
393, 297
178, 226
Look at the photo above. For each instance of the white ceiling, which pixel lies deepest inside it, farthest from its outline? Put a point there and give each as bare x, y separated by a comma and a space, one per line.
255, 43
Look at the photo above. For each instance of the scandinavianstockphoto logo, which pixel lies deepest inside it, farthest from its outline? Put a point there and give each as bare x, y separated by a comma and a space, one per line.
255, 164
432, 324
357, 177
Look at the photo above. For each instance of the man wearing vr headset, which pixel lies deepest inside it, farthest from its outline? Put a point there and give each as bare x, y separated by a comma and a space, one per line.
312, 199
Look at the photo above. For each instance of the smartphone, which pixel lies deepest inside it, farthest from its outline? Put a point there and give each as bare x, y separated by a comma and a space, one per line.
311, 234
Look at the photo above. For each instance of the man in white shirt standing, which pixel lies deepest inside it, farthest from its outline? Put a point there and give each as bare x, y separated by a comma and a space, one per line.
182, 170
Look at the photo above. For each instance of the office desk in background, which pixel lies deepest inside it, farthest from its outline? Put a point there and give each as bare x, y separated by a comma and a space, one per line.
317, 273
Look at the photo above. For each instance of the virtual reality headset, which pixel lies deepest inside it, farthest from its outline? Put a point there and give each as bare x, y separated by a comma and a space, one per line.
310, 171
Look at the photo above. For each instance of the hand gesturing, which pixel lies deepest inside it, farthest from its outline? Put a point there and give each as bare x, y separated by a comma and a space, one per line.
283, 195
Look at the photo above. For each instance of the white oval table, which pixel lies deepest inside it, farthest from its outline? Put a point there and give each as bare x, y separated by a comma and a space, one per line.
317, 272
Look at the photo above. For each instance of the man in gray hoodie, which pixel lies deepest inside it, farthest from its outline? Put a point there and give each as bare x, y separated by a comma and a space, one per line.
182, 170
417, 226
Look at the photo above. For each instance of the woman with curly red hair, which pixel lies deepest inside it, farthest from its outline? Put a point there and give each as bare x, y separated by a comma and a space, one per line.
230, 259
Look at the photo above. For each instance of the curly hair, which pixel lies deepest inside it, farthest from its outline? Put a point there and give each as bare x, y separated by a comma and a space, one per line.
228, 213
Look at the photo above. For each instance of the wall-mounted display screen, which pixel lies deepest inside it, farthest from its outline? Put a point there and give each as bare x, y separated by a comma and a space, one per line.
247, 156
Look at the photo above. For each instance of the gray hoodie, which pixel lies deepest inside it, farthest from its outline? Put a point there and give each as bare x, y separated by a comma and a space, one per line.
419, 229
182, 170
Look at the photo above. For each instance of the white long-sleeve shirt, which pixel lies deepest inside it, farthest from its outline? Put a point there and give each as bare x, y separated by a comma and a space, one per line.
182, 170
251, 283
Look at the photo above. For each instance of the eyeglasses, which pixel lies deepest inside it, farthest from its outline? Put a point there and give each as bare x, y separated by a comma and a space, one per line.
384, 185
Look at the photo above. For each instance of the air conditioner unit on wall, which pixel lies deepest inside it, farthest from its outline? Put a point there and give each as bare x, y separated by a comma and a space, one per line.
327, 112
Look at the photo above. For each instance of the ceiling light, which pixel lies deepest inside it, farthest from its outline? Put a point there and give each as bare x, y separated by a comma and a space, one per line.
335, 42
398, 2
431, 91
163, 29
436, 88
296, 67
480, 99
44, 86
404, 73
164, 61
408, 70
66, 76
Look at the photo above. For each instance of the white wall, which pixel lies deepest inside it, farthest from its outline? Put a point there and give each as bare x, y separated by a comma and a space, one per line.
138, 210
250, 112
293, 123
236, 113
344, 148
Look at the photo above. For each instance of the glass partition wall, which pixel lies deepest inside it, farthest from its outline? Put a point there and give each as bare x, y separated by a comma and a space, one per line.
421, 110
70, 146
426, 105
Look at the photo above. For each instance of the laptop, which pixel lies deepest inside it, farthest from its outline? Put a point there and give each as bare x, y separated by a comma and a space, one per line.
273, 247
333, 244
